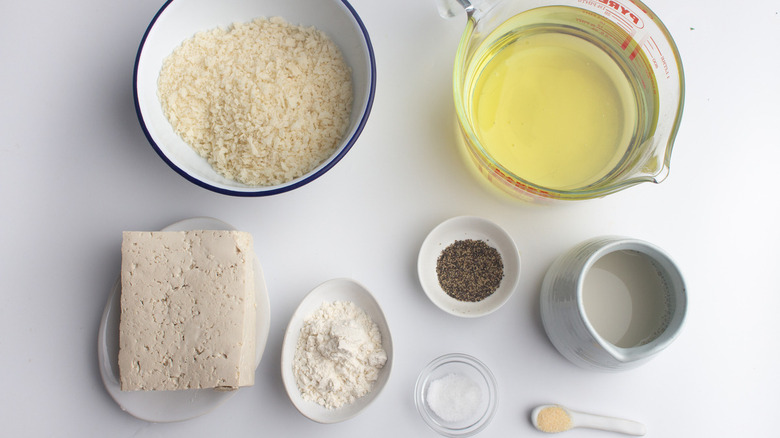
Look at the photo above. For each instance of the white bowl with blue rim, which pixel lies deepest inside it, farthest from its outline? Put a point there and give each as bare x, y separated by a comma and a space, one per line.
179, 20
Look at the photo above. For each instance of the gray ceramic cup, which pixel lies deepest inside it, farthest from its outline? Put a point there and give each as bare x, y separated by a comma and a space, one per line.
566, 321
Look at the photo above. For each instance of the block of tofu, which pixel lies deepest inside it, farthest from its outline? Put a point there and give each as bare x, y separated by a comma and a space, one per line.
187, 310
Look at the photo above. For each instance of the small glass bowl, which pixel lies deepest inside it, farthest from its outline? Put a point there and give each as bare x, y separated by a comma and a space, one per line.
471, 368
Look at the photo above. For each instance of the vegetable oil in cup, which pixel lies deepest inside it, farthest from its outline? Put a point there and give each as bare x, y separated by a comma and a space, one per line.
555, 100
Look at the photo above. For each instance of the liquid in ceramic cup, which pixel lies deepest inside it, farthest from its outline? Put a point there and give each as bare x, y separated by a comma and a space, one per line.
612, 303
626, 298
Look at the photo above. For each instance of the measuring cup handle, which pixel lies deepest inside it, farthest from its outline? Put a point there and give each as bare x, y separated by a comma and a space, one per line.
451, 8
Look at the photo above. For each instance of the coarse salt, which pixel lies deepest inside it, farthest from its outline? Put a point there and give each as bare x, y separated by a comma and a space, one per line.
454, 397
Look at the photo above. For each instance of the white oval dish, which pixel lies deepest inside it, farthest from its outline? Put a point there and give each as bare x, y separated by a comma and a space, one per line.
339, 289
170, 406
462, 228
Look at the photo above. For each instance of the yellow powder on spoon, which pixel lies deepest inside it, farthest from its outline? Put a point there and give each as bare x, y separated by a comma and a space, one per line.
553, 419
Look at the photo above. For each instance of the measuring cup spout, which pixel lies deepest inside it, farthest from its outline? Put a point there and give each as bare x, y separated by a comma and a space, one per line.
451, 8
653, 162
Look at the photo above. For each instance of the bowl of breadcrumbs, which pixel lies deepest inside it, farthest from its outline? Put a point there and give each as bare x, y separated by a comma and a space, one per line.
254, 98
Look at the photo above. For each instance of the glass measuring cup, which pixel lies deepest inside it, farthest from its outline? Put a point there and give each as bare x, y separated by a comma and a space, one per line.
566, 99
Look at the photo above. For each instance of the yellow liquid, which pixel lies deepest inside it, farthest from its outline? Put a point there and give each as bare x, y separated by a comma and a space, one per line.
552, 108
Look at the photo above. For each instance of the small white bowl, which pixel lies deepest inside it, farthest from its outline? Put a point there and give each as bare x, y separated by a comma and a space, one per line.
339, 289
462, 228
470, 368
179, 20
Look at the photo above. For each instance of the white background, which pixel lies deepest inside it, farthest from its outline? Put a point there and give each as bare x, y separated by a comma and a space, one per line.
76, 171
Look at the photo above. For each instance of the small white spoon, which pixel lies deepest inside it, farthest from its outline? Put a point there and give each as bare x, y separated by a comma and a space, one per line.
555, 418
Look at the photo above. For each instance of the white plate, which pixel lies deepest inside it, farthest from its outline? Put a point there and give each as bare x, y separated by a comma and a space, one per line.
462, 228
339, 289
169, 406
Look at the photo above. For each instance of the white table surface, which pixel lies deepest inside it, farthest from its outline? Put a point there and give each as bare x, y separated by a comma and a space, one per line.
76, 171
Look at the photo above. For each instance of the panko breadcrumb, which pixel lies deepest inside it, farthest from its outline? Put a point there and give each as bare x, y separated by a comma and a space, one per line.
263, 102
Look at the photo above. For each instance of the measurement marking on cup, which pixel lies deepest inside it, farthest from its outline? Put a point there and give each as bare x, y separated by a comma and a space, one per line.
625, 13
619, 20
651, 45
593, 3
650, 42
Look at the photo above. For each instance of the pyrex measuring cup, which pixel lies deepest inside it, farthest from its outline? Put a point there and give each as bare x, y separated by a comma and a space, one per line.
566, 99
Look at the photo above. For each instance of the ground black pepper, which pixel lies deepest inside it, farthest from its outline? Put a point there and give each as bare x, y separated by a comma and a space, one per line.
469, 270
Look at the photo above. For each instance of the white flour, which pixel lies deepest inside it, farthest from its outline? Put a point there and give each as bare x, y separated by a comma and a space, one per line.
339, 355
